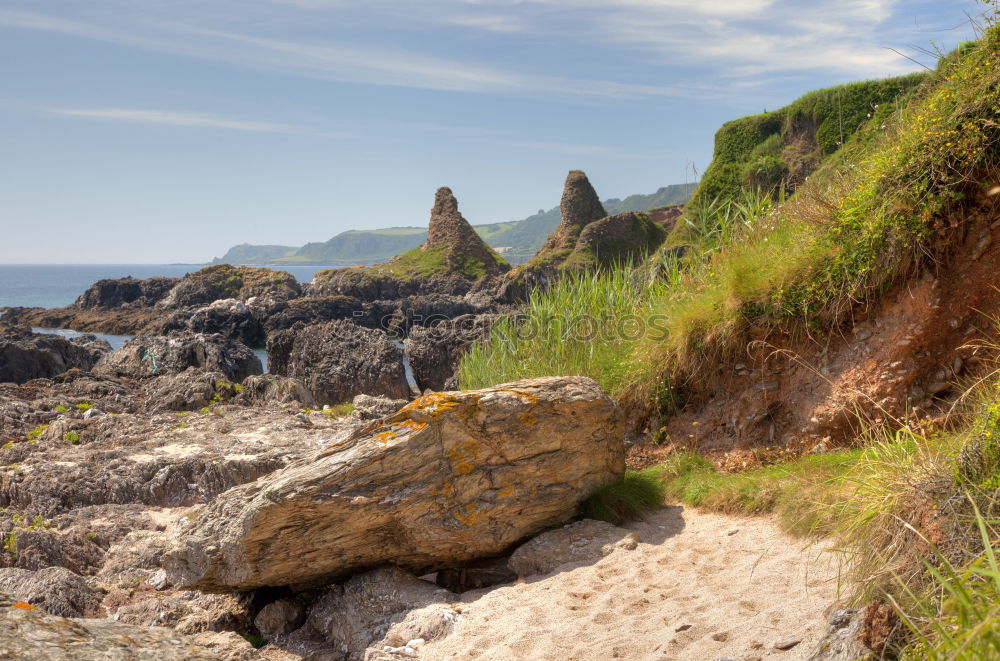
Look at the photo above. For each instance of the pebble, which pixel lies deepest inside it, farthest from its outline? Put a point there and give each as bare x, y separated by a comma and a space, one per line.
787, 643
683, 627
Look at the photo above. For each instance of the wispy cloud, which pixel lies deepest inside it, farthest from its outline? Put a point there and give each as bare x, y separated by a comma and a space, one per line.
191, 119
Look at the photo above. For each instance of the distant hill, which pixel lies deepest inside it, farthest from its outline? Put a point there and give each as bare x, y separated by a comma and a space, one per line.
517, 240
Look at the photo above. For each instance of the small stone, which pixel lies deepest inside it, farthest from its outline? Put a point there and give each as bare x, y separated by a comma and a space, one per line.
732, 532
720, 636
937, 387
787, 643
158, 580
93, 413
683, 627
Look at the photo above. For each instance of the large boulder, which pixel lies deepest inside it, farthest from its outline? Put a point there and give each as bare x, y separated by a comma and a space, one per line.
449, 478
120, 292
25, 355
28, 633
227, 316
157, 355
337, 360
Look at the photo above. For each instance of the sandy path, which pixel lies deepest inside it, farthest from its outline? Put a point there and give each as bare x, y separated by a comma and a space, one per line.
736, 594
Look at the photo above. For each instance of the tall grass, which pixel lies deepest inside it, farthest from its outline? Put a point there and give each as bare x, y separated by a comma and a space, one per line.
584, 324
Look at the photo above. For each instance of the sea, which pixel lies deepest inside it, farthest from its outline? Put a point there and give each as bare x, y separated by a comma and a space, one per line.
56, 285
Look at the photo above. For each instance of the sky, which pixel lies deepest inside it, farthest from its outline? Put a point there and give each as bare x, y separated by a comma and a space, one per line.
155, 131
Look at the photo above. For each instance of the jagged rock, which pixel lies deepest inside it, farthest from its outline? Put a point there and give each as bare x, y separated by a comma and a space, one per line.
449, 478
163, 460
368, 407
273, 390
119, 292
317, 310
29, 633
229, 317
337, 360
155, 355
189, 390
360, 613
279, 618
224, 281
463, 250
452, 260
579, 207
434, 352
584, 541
25, 355
55, 590
842, 640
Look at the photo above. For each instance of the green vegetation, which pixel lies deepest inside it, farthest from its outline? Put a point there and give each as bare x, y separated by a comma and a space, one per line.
638, 493
60, 409
36, 433
71, 437
780, 148
83, 407
584, 325
10, 544
341, 410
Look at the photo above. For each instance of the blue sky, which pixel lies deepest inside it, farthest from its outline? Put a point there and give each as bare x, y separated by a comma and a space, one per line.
152, 131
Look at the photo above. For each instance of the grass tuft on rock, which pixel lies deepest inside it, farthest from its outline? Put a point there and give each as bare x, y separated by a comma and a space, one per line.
639, 493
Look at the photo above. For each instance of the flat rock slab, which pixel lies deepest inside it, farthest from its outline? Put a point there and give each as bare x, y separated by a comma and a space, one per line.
449, 478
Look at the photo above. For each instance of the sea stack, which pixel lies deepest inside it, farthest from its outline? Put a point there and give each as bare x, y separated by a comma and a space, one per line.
450, 233
579, 207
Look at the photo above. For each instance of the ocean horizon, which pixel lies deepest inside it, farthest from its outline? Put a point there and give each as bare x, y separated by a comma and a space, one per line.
56, 285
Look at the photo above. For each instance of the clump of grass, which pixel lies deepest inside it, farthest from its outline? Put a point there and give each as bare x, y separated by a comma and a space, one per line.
585, 324
71, 437
638, 493
83, 407
60, 409
341, 410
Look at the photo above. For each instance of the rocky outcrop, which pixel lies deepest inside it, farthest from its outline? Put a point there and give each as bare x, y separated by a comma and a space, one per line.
25, 355
449, 478
579, 207
28, 633
156, 355
274, 390
842, 641
624, 237
337, 360
222, 281
452, 260
229, 317
55, 590
435, 351
463, 250
122, 292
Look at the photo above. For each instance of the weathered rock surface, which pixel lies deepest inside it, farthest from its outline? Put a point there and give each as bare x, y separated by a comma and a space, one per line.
435, 351
223, 281
338, 360
129, 291
579, 207
25, 355
449, 232
55, 590
368, 407
229, 317
842, 640
584, 541
274, 390
451, 477
155, 355
617, 239
29, 633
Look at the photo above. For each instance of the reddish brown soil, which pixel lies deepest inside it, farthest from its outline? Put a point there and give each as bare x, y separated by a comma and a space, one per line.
901, 361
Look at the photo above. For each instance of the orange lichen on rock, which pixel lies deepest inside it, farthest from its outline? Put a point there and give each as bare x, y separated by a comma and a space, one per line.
470, 515
385, 437
528, 419
24, 606
463, 455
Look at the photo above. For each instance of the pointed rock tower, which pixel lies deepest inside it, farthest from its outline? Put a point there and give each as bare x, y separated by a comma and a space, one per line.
579, 207
452, 235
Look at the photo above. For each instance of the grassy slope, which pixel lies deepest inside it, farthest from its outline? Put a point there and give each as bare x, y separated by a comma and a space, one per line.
915, 510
